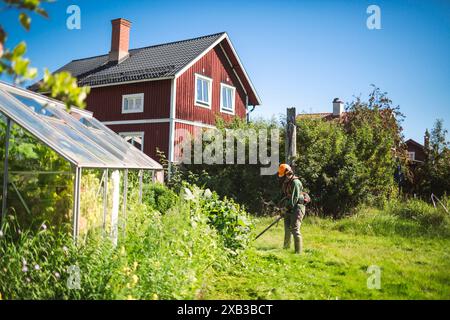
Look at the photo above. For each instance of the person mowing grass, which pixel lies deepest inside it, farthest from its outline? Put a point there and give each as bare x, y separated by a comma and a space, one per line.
294, 199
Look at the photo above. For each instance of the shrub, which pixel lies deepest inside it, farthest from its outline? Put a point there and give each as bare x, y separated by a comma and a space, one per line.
231, 220
159, 197
242, 182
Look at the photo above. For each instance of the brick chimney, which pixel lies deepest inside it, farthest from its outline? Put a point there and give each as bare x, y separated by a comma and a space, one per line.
338, 107
120, 40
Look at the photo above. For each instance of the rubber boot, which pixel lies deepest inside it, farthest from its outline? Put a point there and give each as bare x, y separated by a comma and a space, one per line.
298, 244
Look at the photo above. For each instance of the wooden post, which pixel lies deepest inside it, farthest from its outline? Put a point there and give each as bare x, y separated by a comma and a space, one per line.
291, 136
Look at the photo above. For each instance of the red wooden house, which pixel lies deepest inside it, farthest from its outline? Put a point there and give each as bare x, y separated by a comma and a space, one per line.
146, 94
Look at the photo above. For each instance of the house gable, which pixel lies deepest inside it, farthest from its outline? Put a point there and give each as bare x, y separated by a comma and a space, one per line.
215, 66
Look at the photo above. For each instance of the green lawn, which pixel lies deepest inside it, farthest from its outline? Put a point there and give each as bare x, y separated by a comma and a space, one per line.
334, 265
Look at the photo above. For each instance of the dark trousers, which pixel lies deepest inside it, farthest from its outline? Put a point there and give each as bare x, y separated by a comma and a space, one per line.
292, 223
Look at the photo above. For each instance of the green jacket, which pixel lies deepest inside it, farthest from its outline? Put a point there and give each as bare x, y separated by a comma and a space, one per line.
293, 193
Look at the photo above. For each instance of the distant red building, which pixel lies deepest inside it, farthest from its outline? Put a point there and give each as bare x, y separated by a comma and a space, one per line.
146, 94
416, 151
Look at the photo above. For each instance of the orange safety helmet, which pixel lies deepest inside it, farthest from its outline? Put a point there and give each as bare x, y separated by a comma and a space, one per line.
283, 168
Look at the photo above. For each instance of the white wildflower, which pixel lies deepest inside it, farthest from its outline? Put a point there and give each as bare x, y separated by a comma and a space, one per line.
207, 194
188, 194
37, 267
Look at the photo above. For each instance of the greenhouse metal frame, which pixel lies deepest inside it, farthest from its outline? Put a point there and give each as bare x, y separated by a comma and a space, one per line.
76, 136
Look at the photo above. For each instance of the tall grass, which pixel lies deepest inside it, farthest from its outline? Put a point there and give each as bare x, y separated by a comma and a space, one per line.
409, 218
157, 257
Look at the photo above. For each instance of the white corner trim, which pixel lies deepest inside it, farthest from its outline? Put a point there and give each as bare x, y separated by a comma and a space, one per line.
173, 108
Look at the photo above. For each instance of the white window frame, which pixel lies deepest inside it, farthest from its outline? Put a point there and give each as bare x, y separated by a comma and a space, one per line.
233, 99
201, 103
134, 95
412, 155
134, 134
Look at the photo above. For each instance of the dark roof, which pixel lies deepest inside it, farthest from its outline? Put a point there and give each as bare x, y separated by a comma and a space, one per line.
413, 142
153, 62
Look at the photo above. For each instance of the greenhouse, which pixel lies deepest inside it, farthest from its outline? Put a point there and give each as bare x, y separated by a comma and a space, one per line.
66, 166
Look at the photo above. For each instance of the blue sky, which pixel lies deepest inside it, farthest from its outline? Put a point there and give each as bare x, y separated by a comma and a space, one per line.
297, 53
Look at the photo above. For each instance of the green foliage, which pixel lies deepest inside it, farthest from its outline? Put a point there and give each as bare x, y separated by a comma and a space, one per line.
343, 163
230, 220
425, 214
328, 167
159, 197
64, 87
433, 176
241, 182
166, 256
335, 262
14, 64
411, 219
349, 162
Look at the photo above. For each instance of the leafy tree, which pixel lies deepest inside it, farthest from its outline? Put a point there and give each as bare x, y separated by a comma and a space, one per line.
434, 173
241, 182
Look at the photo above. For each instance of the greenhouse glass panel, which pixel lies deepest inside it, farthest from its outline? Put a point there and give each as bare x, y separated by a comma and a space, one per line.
39, 128
79, 138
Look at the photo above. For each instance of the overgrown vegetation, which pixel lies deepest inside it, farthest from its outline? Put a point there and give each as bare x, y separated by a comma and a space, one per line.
350, 161
433, 175
343, 163
161, 256
412, 256
180, 254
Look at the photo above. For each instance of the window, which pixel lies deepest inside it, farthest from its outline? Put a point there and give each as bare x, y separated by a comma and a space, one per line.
227, 94
411, 155
203, 91
135, 138
132, 103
